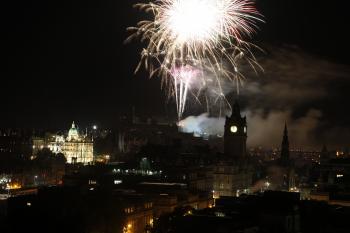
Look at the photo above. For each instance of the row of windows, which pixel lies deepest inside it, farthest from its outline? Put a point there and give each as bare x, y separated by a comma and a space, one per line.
129, 210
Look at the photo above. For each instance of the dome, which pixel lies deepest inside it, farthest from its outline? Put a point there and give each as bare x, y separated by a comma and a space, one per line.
73, 133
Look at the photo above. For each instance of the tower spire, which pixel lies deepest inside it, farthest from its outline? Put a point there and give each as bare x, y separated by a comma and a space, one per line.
236, 110
285, 132
285, 146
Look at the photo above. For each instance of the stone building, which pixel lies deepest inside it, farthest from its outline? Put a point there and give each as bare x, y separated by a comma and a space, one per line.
76, 148
233, 173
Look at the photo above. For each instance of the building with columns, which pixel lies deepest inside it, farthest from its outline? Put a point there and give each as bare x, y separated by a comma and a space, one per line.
76, 148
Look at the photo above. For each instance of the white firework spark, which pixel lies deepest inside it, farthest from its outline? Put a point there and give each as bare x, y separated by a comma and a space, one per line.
205, 34
183, 78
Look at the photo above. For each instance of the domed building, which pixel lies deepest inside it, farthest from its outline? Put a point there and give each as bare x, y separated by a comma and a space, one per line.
73, 134
75, 147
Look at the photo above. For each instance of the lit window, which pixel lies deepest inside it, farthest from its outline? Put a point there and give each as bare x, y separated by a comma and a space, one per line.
118, 181
219, 214
92, 182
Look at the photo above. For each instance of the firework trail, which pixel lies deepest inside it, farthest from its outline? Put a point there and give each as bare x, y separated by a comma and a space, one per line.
183, 78
206, 35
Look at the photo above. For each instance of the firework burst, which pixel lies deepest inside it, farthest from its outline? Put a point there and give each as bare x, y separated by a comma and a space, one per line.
201, 34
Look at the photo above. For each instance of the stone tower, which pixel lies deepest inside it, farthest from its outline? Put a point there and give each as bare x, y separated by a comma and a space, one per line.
235, 136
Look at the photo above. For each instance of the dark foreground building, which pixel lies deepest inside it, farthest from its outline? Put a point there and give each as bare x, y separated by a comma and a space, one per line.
272, 212
72, 209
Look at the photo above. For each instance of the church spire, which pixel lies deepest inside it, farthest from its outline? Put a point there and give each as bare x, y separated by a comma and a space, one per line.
285, 146
285, 132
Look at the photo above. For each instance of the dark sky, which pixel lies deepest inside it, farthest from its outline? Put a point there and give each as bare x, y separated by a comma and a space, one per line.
65, 60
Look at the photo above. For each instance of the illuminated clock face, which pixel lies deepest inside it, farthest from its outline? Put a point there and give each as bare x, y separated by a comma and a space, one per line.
245, 129
233, 129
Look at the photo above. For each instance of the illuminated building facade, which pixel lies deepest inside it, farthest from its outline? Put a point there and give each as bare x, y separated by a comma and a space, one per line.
139, 217
75, 147
38, 144
232, 179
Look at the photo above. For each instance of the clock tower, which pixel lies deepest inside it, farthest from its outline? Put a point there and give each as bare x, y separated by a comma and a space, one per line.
235, 136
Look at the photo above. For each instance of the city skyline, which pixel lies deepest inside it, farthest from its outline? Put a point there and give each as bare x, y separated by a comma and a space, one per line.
174, 116
68, 62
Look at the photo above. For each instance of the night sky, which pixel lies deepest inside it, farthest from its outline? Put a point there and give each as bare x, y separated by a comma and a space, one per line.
66, 60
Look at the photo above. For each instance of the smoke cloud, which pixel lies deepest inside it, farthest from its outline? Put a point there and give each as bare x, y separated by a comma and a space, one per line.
296, 88
263, 130
203, 125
